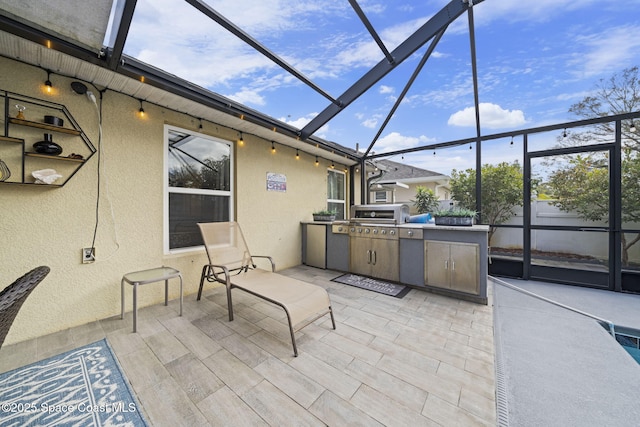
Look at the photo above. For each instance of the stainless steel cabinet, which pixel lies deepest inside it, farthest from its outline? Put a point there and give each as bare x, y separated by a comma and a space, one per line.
375, 257
316, 245
452, 265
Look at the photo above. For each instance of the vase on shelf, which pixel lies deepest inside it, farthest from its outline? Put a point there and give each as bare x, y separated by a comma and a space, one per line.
47, 146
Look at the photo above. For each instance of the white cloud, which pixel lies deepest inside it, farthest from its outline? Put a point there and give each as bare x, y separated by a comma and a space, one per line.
300, 122
613, 49
386, 89
248, 97
370, 123
396, 141
492, 116
526, 10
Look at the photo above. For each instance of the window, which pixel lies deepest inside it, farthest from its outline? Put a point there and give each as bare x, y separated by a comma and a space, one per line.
381, 196
336, 193
198, 187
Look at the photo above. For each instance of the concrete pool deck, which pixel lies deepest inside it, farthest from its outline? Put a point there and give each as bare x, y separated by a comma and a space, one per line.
560, 368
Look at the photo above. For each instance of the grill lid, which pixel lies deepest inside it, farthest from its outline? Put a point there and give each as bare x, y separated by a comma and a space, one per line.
383, 213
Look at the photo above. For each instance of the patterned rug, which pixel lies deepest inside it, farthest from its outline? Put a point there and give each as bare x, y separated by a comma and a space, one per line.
370, 284
82, 387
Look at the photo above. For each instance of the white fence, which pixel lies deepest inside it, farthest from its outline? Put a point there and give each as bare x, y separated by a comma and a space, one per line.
581, 243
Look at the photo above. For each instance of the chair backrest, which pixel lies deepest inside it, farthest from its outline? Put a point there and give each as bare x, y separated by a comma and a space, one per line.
225, 244
12, 297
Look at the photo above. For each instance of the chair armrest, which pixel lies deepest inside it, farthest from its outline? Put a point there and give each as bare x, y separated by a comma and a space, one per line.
225, 272
273, 264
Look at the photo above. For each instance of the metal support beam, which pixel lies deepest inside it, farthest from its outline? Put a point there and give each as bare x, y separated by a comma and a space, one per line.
121, 24
476, 103
440, 20
417, 71
235, 30
372, 31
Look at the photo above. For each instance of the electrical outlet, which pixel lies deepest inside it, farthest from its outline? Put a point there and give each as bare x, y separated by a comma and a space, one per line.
88, 255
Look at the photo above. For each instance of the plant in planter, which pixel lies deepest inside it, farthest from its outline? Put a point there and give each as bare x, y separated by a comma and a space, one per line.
454, 216
324, 215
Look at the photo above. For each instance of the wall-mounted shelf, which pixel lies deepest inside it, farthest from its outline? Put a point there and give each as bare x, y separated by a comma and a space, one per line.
8, 139
20, 134
45, 126
50, 157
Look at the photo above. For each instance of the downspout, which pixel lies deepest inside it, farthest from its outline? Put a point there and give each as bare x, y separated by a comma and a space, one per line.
369, 185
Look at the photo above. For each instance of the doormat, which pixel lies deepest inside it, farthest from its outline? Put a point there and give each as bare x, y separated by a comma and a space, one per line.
370, 284
82, 387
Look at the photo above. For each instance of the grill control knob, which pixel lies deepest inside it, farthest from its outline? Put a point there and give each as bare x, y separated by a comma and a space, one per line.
410, 233
375, 231
384, 231
340, 228
367, 231
392, 232
353, 229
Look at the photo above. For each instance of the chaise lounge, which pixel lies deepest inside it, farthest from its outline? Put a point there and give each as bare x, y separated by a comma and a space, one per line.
231, 263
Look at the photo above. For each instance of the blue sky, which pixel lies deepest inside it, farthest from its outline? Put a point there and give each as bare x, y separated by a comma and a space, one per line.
535, 59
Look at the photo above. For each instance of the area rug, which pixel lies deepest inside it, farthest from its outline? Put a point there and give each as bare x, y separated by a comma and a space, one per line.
82, 387
370, 284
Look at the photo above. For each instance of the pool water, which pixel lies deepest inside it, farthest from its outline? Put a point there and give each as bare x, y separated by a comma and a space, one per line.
630, 342
634, 352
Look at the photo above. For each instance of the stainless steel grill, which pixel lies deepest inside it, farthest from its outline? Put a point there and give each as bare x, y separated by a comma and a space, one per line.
379, 214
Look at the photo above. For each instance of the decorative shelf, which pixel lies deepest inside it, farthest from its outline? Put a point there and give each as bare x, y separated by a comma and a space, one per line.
9, 139
44, 126
21, 162
53, 157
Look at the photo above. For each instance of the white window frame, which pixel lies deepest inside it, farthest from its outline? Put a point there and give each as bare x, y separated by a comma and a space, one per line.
168, 190
384, 199
344, 191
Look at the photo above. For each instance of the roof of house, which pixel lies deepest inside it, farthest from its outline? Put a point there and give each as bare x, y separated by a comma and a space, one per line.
401, 172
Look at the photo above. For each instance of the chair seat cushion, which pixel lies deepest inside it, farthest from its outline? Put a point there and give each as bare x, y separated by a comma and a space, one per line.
302, 300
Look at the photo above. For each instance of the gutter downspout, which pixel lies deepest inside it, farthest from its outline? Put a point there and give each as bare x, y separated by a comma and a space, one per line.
369, 185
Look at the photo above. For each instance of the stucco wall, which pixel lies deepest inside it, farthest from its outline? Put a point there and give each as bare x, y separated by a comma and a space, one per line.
49, 226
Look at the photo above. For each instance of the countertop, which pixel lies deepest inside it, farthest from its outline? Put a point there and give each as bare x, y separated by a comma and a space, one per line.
473, 228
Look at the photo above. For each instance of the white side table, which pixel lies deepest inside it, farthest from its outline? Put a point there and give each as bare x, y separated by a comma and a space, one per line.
149, 276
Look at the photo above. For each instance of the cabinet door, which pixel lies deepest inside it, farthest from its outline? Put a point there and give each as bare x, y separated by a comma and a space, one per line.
316, 245
464, 267
385, 259
360, 259
436, 263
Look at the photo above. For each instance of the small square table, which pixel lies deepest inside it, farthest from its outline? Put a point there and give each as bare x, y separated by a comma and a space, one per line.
149, 276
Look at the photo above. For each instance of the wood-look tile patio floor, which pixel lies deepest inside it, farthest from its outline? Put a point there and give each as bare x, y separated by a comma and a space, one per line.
424, 359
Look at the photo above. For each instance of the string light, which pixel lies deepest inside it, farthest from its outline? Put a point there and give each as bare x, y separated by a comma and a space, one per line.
297, 155
632, 128
511, 143
200, 125
273, 147
48, 85
141, 110
564, 133
241, 140
317, 162
332, 165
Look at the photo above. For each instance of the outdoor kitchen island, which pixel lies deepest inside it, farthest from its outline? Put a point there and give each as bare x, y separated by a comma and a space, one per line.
449, 260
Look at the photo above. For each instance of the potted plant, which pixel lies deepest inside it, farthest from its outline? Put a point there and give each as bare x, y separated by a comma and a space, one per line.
454, 216
324, 215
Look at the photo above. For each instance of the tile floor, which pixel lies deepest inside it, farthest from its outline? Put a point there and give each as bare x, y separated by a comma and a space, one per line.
424, 359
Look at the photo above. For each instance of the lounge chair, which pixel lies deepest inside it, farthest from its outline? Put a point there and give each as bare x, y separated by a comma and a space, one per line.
12, 297
231, 263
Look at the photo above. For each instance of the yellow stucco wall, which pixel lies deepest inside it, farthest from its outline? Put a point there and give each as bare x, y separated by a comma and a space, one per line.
49, 226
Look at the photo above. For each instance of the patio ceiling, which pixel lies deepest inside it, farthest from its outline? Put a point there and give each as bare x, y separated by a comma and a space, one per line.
86, 40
